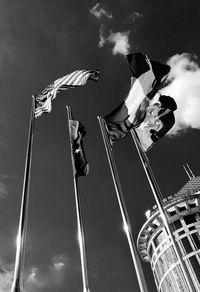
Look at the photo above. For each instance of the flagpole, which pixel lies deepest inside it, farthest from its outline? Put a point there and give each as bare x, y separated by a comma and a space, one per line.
122, 206
21, 236
81, 239
158, 198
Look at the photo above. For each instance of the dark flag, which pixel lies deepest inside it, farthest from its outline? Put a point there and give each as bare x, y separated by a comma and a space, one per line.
147, 78
77, 132
72, 80
158, 121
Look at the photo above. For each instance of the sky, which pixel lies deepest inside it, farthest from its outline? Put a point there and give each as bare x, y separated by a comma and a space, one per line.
42, 41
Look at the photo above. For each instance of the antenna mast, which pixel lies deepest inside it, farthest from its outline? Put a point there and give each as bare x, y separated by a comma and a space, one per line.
188, 171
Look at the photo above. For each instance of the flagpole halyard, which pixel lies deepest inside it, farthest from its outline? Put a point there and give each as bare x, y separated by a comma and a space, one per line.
122, 206
22, 227
158, 198
81, 238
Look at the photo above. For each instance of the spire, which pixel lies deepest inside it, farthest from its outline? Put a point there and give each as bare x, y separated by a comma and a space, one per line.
188, 171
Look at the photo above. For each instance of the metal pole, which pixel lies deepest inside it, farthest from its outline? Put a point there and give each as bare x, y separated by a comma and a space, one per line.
20, 248
81, 238
122, 206
158, 198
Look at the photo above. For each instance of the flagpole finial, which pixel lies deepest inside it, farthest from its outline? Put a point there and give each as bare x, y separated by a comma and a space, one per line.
69, 111
188, 171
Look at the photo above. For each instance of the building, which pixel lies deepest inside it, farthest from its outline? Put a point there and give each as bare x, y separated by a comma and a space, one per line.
154, 246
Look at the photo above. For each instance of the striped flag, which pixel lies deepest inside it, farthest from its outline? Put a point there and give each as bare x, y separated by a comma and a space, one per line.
147, 77
72, 80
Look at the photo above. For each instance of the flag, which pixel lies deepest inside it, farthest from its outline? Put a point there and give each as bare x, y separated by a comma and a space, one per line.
72, 80
147, 78
79, 163
158, 121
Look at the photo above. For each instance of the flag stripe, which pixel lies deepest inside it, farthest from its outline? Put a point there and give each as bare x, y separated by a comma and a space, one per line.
72, 80
138, 92
68, 78
80, 79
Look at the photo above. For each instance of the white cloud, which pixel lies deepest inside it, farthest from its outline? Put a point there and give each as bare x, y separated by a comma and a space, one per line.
32, 277
36, 279
102, 40
6, 277
119, 40
185, 89
53, 276
59, 262
6, 281
99, 12
59, 266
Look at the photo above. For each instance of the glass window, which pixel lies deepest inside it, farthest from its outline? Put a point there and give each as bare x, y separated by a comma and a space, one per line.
158, 271
150, 251
192, 205
169, 284
169, 256
166, 259
196, 240
177, 274
172, 213
186, 245
176, 224
182, 208
159, 238
190, 219
195, 267
174, 281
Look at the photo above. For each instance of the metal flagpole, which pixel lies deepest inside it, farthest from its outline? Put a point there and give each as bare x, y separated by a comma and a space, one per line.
81, 238
20, 242
124, 213
158, 198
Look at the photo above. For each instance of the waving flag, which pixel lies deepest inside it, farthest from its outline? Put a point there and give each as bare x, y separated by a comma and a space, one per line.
77, 132
147, 77
158, 121
72, 80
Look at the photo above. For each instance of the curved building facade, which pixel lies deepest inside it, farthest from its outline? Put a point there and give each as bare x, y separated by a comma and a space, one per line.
154, 246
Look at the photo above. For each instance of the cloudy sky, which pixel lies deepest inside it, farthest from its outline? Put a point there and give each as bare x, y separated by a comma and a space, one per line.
42, 40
